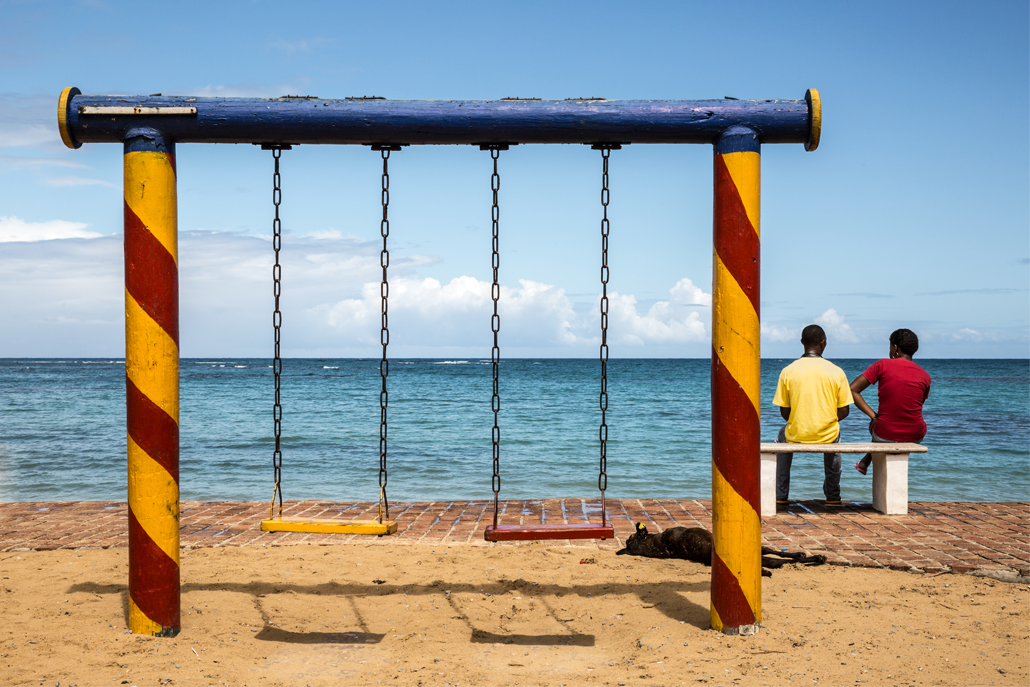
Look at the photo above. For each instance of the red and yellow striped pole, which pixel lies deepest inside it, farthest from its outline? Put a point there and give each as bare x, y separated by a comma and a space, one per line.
736, 366
152, 383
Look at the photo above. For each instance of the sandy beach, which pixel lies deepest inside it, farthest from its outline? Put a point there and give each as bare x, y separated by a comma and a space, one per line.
430, 614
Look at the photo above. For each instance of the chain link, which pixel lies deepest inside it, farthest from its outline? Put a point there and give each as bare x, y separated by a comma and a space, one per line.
495, 326
277, 321
602, 478
384, 338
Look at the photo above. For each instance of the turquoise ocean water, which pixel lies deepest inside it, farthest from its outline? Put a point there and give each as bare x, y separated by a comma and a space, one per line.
62, 430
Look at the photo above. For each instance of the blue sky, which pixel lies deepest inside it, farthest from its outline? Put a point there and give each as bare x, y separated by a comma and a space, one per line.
912, 213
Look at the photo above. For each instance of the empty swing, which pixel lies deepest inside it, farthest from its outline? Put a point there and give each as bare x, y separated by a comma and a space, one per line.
587, 530
382, 525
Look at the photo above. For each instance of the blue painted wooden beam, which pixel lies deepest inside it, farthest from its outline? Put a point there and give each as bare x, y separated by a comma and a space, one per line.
109, 119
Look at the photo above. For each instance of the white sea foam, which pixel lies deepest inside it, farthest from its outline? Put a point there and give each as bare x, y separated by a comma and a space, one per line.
452, 362
330, 367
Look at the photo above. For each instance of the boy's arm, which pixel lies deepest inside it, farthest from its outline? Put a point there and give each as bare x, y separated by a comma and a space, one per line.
782, 397
844, 397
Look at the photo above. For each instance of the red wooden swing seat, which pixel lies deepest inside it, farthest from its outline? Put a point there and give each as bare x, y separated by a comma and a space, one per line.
584, 530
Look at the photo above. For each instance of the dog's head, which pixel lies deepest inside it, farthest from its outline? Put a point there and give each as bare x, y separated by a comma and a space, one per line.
635, 541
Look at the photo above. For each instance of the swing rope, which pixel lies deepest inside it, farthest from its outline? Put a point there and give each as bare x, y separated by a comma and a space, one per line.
498, 532
602, 477
277, 321
384, 338
383, 525
495, 324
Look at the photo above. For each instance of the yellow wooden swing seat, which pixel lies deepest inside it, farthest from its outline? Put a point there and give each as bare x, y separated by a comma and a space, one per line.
384, 525
329, 526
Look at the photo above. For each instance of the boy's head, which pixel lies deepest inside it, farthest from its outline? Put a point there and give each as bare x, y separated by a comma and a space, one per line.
812, 336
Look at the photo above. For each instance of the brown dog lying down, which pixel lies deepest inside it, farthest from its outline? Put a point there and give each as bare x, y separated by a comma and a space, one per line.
695, 544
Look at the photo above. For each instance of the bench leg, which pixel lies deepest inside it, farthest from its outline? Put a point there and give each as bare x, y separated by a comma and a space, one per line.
768, 493
890, 483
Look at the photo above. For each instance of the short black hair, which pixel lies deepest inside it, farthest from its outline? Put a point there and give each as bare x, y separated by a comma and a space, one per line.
906, 341
812, 335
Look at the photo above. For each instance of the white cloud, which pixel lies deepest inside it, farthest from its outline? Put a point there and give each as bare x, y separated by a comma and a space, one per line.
671, 321
15, 229
326, 234
837, 331
25, 162
28, 121
453, 314
966, 334
66, 298
243, 90
774, 333
62, 297
533, 315
685, 293
77, 181
302, 45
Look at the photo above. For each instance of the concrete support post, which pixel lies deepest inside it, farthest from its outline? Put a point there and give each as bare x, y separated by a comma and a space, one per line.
736, 368
152, 382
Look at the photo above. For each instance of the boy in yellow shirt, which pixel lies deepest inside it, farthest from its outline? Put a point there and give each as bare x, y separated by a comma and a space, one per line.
814, 396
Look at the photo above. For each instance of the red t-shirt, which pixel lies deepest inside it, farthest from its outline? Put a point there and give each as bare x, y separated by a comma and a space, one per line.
903, 386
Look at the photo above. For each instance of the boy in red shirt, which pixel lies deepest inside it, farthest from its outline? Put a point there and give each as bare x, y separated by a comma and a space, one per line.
902, 388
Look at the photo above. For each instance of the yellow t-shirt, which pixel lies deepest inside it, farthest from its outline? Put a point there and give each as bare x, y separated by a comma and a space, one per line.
813, 389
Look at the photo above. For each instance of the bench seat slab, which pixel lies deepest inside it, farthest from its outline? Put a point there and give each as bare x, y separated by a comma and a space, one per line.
865, 447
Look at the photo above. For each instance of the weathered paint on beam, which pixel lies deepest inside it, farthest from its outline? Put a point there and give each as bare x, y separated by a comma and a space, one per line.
116, 110
425, 122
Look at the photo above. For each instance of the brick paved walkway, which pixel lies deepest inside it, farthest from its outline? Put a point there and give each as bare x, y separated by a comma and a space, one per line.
933, 537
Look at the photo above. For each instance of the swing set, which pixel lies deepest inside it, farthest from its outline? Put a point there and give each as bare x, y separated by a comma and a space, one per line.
384, 525
149, 127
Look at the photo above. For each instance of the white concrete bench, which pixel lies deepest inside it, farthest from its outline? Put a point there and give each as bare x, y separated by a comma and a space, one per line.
890, 471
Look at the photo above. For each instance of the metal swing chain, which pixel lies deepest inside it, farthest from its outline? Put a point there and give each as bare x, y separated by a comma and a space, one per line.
384, 337
277, 321
602, 478
495, 326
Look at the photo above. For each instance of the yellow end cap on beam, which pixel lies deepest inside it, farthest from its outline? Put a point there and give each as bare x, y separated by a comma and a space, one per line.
815, 118
62, 117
